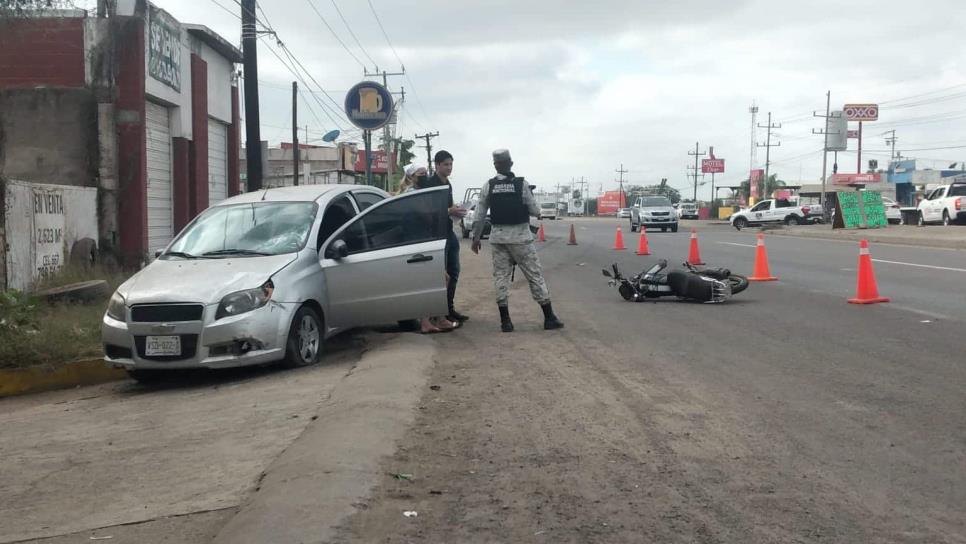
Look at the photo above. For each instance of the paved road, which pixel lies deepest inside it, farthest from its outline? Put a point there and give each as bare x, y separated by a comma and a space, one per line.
786, 415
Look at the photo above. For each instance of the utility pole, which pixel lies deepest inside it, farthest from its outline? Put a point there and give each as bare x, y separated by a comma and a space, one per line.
753, 110
891, 140
253, 141
696, 154
827, 116
429, 148
620, 195
385, 129
768, 145
295, 133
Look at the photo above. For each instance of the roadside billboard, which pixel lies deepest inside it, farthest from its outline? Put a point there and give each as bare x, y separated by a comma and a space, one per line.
611, 201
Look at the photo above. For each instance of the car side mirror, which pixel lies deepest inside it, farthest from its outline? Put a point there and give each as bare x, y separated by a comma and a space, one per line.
157, 253
338, 250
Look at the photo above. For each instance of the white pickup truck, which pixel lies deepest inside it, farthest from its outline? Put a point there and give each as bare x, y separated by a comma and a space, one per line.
776, 211
945, 204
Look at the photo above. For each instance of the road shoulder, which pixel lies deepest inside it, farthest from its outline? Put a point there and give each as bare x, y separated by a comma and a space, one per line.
317, 481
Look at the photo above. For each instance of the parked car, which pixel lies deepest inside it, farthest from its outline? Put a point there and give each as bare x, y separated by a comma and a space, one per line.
268, 276
688, 210
893, 211
653, 212
775, 211
548, 210
466, 224
624, 213
945, 204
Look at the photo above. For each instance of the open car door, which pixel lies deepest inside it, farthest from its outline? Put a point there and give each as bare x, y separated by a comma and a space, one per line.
387, 264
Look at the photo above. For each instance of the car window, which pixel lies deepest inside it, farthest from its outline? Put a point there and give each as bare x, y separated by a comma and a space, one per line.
338, 213
957, 190
407, 219
762, 206
366, 199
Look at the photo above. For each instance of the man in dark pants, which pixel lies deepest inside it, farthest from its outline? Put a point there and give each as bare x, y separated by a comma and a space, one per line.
444, 169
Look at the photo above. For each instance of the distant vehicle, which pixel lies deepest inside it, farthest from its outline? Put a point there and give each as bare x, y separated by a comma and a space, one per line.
688, 210
945, 204
548, 210
775, 211
653, 212
624, 213
893, 211
466, 224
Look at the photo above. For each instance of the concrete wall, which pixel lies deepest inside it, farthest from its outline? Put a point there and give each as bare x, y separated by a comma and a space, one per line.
42, 222
220, 72
49, 135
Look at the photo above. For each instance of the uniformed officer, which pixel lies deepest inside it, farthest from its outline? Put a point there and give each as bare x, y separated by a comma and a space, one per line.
511, 203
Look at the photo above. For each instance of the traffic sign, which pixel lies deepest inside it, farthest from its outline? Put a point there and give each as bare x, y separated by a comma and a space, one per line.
853, 134
861, 112
368, 105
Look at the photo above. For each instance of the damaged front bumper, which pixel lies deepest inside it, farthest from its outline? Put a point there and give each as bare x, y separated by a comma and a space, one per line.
252, 338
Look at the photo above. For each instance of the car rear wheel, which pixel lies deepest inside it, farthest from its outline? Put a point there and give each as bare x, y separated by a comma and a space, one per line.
793, 220
674, 227
304, 345
946, 220
466, 233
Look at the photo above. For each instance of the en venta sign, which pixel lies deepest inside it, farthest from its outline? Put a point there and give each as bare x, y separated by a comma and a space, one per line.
164, 48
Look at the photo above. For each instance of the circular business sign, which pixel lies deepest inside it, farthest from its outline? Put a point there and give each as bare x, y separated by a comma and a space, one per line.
368, 105
330, 136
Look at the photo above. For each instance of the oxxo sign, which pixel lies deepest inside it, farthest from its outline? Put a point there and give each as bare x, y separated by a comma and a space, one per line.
861, 112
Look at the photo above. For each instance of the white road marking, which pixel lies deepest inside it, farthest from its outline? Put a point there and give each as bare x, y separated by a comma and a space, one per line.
920, 265
735, 244
933, 315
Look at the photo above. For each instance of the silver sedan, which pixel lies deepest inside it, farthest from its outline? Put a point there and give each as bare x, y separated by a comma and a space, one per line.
267, 276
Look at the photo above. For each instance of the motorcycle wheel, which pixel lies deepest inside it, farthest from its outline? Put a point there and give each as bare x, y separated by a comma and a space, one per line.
738, 283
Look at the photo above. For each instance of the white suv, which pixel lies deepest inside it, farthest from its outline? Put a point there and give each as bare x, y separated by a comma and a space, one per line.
946, 204
548, 210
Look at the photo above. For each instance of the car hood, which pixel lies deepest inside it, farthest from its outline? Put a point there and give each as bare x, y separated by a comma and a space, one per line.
200, 280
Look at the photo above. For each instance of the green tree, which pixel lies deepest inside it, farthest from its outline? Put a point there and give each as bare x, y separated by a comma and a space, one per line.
26, 8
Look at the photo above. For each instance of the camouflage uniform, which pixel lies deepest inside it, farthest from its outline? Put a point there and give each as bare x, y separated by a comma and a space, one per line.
512, 245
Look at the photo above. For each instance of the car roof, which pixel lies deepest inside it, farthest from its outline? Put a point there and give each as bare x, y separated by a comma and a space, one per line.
301, 193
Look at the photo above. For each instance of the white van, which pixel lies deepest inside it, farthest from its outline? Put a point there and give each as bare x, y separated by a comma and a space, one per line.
548, 210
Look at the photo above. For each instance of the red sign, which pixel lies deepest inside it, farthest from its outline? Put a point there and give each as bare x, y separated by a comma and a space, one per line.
712, 166
610, 202
380, 161
853, 134
861, 112
756, 177
849, 179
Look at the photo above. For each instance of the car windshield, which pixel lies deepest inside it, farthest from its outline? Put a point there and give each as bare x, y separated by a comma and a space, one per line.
251, 229
655, 201
548, 205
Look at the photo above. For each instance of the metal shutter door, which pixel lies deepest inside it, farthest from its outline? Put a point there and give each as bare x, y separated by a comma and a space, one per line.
217, 162
160, 197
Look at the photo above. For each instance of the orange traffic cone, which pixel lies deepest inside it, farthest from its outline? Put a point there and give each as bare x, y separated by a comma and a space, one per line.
762, 273
867, 291
694, 257
619, 240
573, 236
642, 248
540, 235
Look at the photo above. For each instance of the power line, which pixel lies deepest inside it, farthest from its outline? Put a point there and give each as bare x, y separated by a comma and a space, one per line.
353, 34
302, 80
327, 25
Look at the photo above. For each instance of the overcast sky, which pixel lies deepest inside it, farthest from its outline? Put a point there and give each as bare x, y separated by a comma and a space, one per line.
577, 88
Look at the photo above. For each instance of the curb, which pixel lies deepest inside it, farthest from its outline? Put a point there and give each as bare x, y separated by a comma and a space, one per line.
19, 381
873, 238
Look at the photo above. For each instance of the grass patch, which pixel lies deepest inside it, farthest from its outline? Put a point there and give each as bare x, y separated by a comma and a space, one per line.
33, 332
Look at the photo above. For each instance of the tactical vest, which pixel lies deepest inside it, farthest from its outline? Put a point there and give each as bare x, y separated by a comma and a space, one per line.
506, 202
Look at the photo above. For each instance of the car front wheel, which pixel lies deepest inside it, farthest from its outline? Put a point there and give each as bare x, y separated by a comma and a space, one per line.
740, 223
920, 220
305, 336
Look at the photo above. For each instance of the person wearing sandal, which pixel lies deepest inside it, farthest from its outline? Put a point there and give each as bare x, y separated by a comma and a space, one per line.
427, 325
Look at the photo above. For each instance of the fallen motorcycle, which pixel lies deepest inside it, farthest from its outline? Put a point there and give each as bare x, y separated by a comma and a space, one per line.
708, 285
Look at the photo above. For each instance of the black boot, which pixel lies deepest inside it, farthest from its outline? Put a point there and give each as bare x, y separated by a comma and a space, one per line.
505, 324
453, 315
550, 321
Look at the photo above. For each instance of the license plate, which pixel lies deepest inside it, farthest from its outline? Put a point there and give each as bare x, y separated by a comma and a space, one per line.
161, 346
